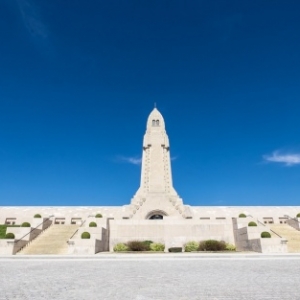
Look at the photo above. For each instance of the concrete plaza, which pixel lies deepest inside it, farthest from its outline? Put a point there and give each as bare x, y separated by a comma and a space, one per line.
143, 277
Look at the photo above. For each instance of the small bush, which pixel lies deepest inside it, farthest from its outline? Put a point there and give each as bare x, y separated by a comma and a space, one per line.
230, 247
37, 216
98, 216
25, 224
121, 247
147, 245
3, 230
191, 246
212, 245
265, 234
137, 246
93, 224
298, 215
85, 235
242, 216
157, 247
252, 224
9, 236
175, 249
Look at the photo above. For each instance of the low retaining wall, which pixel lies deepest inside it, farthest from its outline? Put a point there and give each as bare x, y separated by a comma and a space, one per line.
85, 246
172, 233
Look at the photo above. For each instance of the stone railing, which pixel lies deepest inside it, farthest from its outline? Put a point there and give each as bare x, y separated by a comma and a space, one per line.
21, 243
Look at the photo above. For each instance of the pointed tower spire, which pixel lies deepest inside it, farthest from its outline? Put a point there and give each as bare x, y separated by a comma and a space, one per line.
156, 194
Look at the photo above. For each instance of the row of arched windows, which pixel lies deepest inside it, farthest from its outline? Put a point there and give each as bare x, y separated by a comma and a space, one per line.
155, 122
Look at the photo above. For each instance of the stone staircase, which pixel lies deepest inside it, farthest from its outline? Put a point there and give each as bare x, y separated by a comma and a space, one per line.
52, 241
290, 234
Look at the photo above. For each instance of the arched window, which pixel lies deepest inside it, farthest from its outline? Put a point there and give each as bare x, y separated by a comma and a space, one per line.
157, 122
153, 123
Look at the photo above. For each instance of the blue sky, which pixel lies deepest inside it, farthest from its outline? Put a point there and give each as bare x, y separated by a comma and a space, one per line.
78, 80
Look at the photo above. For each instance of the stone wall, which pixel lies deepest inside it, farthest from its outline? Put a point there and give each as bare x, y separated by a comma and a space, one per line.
171, 232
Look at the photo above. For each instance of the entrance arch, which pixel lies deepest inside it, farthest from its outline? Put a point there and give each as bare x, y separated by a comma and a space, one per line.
156, 215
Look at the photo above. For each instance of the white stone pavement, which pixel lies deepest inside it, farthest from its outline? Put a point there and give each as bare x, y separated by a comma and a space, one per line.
155, 276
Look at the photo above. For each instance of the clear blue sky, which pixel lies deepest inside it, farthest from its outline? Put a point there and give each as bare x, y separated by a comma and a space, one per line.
78, 80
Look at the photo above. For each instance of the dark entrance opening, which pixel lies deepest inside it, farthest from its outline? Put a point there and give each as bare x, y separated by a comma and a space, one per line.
156, 217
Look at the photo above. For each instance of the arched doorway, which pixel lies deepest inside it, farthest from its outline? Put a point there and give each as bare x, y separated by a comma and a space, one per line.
156, 215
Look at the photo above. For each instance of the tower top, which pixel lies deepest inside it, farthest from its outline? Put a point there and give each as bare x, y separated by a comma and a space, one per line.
155, 120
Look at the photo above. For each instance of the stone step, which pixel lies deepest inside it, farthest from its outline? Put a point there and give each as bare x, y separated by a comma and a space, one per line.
52, 241
290, 234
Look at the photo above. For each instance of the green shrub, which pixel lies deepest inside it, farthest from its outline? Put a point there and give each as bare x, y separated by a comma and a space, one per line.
265, 234
121, 247
242, 216
157, 247
98, 216
25, 224
37, 216
212, 245
3, 230
298, 215
230, 247
147, 245
9, 236
137, 246
252, 224
175, 249
93, 224
191, 246
85, 235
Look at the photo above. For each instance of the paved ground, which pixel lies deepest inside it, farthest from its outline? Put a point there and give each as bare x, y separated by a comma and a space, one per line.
151, 277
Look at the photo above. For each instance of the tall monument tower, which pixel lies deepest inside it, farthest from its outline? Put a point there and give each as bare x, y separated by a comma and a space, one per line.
156, 176
156, 196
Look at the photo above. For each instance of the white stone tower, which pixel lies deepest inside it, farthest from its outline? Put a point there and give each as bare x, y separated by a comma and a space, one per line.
156, 174
156, 196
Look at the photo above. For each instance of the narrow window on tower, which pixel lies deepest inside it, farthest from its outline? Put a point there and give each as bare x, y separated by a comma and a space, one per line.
157, 122
153, 123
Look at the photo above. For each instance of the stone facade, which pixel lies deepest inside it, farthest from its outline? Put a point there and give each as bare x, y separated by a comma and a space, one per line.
155, 212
